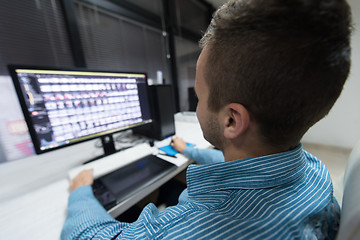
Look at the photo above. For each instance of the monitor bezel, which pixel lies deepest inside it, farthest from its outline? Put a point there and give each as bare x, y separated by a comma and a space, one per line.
37, 147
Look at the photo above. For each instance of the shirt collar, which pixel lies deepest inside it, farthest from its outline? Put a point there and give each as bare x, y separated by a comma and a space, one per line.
251, 173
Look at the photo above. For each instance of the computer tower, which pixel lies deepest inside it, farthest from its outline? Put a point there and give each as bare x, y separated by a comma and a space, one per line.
192, 99
163, 109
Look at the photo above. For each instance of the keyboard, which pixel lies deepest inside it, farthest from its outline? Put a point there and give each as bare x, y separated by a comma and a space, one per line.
124, 182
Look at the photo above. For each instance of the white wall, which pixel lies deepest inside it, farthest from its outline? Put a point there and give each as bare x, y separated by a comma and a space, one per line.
342, 126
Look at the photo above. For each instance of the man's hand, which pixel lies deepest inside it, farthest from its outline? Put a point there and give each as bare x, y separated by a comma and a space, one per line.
178, 144
85, 177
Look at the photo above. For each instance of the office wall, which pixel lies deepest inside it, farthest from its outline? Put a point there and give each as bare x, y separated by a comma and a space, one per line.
187, 53
342, 126
37, 35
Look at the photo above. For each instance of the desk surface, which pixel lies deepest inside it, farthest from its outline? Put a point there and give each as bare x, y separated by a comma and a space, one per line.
40, 214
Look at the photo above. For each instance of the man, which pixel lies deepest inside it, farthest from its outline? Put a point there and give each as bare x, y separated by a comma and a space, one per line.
268, 71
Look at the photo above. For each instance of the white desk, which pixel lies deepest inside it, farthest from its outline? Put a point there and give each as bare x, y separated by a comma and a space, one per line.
40, 213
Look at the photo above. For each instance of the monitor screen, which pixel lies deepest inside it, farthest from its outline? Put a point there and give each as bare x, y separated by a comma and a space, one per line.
67, 106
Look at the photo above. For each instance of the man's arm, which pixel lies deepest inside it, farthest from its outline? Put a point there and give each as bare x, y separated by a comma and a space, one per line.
86, 218
201, 156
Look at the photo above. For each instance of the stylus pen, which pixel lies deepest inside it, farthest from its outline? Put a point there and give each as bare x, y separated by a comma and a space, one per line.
167, 155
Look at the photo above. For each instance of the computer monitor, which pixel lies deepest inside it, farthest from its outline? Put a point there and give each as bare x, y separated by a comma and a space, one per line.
67, 106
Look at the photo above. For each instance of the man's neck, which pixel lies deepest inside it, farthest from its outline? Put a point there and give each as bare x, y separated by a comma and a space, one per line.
233, 152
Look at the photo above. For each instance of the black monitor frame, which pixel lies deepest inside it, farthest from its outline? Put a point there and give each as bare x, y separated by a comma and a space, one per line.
106, 136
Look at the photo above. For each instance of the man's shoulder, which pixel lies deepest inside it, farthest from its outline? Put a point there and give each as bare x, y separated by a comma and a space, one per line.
315, 165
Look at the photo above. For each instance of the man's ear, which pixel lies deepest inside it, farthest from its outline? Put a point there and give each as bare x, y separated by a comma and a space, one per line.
237, 120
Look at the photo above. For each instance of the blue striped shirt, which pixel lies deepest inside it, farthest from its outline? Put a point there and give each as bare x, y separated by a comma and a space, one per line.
282, 196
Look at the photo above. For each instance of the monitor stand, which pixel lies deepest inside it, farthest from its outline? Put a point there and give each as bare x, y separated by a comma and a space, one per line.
107, 142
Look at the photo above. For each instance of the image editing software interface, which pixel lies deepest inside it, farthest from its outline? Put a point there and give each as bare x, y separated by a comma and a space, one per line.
62, 107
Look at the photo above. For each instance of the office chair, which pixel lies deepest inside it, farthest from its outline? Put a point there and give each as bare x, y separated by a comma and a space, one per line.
350, 213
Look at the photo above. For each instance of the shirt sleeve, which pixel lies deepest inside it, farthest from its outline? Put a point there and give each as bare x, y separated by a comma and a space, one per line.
204, 156
87, 219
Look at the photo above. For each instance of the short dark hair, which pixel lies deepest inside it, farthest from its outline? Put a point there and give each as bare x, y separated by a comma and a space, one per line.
286, 61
